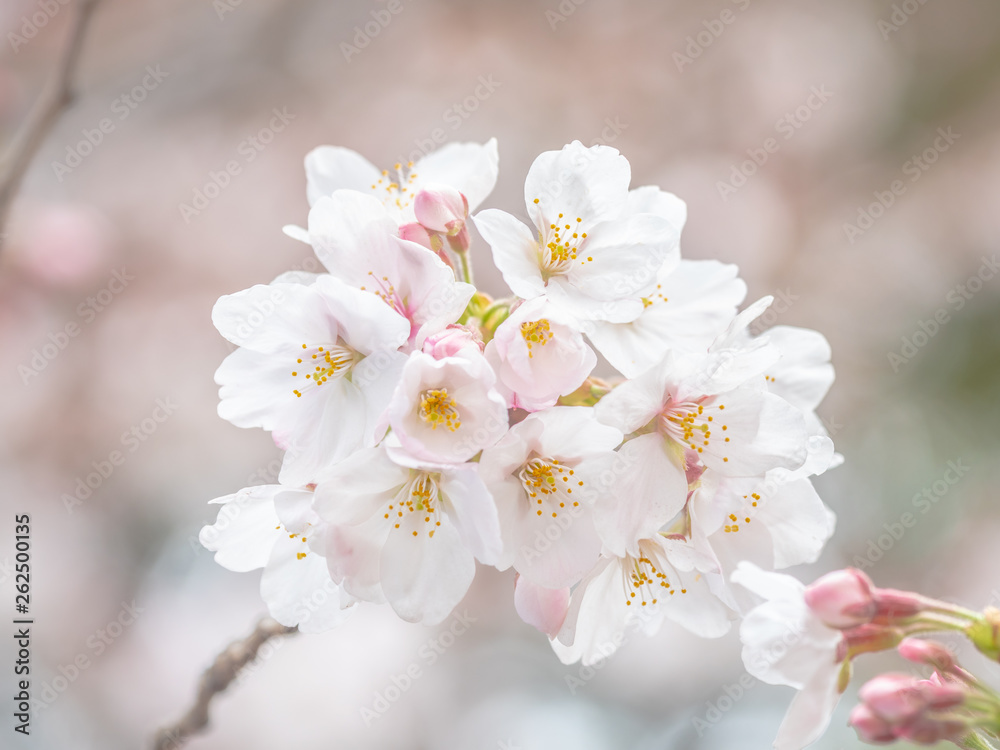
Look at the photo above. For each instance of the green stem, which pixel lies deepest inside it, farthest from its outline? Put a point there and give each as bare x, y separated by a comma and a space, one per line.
465, 262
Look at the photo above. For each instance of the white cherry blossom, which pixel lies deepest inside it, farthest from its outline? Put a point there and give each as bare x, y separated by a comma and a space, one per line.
317, 365
786, 643
539, 355
447, 410
406, 531
545, 475
470, 168
270, 527
588, 254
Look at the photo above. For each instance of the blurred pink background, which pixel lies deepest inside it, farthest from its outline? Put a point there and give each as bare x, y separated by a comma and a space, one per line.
689, 91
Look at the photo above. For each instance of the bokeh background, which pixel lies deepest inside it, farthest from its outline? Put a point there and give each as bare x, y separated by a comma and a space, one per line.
536, 75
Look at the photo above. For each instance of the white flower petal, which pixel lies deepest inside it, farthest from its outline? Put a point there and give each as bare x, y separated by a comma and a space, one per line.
246, 529
331, 168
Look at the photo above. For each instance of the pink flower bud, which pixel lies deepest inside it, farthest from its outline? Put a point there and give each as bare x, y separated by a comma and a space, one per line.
871, 728
441, 209
927, 652
452, 340
894, 697
415, 232
892, 604
939, 694
842, 599
928, 730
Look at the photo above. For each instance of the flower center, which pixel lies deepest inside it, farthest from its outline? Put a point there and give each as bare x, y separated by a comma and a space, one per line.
320, 363
643, 578
418, 496
653, 299
537, 332
548, 485
396, 191
687, 423
561, 246
437, 408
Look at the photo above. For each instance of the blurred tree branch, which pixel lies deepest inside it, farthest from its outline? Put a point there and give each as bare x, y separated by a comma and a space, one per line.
215, 680
57, 96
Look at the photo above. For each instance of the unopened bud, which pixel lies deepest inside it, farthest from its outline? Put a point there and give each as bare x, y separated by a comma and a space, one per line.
452, 340
441, 209
842, 599
922, 651
869, 726
415, 232
892, 604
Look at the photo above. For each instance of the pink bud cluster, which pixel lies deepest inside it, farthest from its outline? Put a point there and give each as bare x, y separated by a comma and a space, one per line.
903, 707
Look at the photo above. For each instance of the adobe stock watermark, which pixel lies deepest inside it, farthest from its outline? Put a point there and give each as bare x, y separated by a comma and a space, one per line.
427, 655
34, 22
786, 126
923, 502
365, 34
957, 298
914, 168
901, 14
249, 149
122, 106
733, 693
565, 9
453, 117
96, 644
223, 8
714, 28
130, 440
87, 312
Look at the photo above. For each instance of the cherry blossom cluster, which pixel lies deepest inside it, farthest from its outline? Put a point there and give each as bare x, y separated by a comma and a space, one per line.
807, 638
427, 425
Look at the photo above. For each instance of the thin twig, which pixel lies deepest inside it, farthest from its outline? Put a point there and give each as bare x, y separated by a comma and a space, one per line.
50, 105
215, 680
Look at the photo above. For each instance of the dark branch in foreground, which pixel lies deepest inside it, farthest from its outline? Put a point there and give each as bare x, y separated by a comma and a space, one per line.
50, 105
215, 680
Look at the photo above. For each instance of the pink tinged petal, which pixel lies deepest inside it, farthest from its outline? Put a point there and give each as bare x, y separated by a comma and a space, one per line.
591, 183
353, 556
556, 552
809, 714
324, 435
331, 168
473, 512
365, 322
256, 389
425, 577
515, 251
294, 509
804, 374
298, 590
573, 431
246, 529
690, 307
634, 403
359, 487
469, 168
765, 432
650, 199
597, 616
643, 489
267, 318
544, 609
376, 377
798, 522
621, 259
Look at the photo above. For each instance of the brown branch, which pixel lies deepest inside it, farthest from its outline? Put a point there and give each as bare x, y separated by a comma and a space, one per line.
215, 680
57, 96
